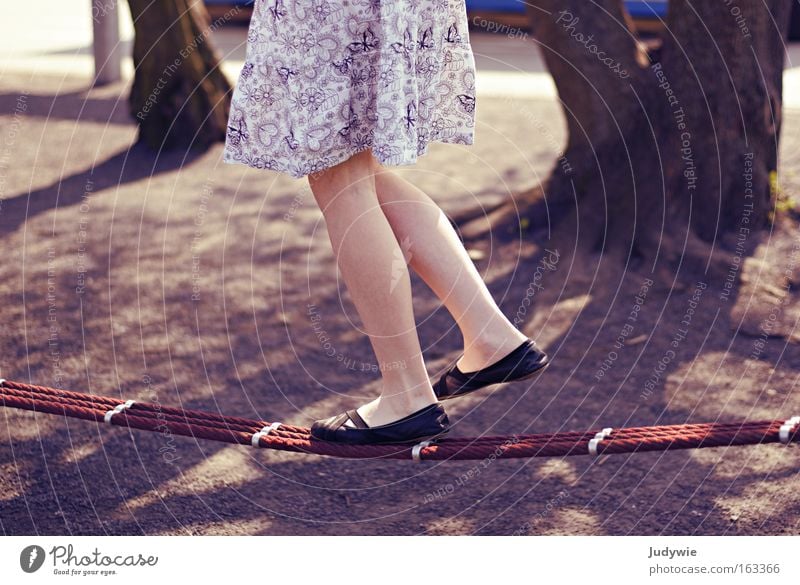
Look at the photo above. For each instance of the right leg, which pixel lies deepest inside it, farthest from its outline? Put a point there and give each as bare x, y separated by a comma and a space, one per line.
367, 253
439, 257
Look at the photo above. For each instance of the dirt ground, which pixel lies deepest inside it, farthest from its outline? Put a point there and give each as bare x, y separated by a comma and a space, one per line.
181, 279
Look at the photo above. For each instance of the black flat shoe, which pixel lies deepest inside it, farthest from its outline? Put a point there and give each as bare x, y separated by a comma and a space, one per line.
426, 423
525, 362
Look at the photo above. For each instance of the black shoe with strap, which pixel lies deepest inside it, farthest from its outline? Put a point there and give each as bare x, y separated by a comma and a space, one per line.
523, 363
427, 423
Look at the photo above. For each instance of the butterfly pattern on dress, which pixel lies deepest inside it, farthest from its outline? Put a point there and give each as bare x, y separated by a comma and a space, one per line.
291, 141
367, 42
411, 115
452, 35
425, 39
467, 102
323, 80
237, 131
344, 65
406, 46
285, 72
352, 122
277, 10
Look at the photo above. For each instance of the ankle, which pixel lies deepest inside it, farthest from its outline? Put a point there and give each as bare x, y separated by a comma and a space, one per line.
408, 400
387, 409
493, 344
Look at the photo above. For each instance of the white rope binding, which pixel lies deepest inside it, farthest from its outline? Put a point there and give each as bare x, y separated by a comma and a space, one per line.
597, 438
2, 381
416, 450
254, 441
117, 409
786, 429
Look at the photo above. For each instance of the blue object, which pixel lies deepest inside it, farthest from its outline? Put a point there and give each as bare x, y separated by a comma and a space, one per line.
496, 5
637, 8
647, 9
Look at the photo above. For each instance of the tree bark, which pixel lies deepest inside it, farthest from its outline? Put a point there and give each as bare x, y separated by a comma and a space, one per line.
726, 65
662, 146
180, 98
597, 65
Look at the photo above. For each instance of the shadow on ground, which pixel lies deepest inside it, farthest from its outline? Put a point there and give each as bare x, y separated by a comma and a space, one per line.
204, 278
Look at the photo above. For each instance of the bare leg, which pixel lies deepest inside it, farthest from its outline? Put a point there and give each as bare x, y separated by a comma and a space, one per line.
377, 278
440, 259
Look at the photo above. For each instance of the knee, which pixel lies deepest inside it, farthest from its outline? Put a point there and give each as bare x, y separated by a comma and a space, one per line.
351, 181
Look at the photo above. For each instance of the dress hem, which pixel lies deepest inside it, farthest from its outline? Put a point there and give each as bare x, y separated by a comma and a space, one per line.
400, 160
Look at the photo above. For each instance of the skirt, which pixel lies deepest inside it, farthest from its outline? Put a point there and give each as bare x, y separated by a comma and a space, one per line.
325, 79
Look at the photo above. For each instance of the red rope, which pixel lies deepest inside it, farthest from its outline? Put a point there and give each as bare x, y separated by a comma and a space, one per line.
229, 429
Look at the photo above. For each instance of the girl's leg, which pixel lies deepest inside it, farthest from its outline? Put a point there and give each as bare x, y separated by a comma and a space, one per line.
372, 265
440, 259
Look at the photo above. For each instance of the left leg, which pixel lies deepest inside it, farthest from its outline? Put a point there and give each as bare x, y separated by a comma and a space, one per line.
441, 260
377, 278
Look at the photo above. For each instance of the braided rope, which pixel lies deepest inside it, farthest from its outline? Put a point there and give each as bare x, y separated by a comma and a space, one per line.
272, 435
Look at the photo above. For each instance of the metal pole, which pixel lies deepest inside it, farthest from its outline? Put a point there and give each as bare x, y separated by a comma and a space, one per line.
106, 47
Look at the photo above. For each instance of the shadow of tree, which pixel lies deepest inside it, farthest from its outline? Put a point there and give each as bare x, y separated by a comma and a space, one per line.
225, 353
70, 105
128, 166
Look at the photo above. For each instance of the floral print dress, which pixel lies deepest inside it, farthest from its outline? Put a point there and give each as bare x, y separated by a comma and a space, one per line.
325, 79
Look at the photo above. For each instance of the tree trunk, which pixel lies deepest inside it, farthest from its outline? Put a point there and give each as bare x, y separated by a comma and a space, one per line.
180, 98
726, 65
607, 97
666, 152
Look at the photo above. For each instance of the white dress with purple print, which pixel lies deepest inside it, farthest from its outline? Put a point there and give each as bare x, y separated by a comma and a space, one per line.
324, 79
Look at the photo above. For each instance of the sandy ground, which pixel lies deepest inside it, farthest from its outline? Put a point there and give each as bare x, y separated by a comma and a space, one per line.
105, 247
